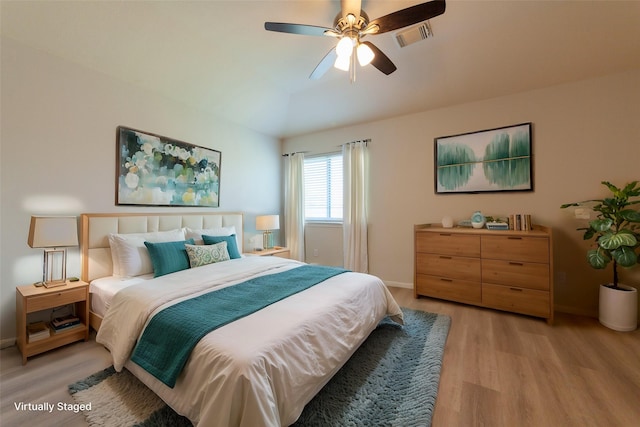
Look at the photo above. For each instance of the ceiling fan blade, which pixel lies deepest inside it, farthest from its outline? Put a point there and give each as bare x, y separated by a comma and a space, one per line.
380, 60
351, 6
305, 30
324, 65
409, 16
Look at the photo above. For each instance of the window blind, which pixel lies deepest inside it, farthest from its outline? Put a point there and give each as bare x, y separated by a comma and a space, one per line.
323, 187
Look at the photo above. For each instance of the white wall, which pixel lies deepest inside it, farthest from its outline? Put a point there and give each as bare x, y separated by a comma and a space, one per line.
58, 155
583, 133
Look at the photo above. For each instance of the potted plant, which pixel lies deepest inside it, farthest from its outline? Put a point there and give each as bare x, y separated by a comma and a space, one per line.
616, 234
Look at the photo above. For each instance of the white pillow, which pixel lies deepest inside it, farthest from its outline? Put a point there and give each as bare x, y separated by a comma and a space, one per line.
196, 235
129, 254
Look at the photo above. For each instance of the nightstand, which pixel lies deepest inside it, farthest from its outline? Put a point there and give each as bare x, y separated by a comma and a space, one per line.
278, 251
31, 299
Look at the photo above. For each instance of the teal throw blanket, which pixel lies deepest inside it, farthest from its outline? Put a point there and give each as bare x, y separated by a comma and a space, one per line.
168, 339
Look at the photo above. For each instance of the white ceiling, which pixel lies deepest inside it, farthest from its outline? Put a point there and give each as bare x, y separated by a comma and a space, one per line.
216, 55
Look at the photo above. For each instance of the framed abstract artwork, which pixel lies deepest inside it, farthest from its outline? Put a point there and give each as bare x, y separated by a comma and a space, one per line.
485, 161
154, 170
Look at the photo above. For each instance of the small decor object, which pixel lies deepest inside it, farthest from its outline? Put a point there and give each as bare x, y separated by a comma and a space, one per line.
55, 234
37, 331
494, 225
486, 161
154, 170
267, 223
477, 220
616, 234
447, 222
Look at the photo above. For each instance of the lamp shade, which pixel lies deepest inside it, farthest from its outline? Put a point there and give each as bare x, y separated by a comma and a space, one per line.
53, 232
268, 222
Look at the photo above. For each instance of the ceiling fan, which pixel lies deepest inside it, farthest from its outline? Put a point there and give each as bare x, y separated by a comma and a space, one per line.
350, 26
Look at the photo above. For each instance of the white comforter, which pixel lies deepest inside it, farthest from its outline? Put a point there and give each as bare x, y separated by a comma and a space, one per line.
263, 369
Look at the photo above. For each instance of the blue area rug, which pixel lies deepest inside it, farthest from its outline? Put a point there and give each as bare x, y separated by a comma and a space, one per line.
391, 380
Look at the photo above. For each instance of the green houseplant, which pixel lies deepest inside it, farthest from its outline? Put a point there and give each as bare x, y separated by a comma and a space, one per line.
616, 234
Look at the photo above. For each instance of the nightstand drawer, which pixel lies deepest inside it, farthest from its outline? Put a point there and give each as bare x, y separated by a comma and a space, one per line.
55, 299
284, 254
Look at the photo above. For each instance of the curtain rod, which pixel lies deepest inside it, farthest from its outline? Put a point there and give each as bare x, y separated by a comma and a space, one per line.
366, 141
296, 152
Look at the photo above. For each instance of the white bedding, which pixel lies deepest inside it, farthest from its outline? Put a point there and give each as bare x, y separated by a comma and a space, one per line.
260, 370
103, 289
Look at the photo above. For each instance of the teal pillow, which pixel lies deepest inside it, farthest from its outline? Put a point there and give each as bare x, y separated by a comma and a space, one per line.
232, 245
168, 257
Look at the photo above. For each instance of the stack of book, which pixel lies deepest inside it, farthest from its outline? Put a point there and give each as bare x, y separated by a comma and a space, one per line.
64, 323
38, 331
520, 222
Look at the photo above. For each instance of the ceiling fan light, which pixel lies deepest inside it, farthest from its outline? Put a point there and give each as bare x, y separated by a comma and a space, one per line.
342, 63
345, 47
365, 54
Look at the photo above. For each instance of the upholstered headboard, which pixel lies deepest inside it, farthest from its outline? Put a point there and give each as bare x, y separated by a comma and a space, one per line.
95, 229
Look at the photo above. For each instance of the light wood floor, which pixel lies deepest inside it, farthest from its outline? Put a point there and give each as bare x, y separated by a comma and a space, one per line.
499, 369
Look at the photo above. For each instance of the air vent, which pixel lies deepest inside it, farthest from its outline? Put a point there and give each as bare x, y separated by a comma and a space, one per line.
414, 34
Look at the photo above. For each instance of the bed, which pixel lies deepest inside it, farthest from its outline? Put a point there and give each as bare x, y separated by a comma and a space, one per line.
259, 370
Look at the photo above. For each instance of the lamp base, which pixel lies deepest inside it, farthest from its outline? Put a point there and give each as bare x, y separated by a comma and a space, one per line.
55, 284
267, 240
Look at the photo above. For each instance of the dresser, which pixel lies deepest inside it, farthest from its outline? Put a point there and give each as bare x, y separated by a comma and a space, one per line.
505, 270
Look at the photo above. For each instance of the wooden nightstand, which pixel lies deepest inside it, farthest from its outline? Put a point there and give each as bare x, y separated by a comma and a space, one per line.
30, 299
278, 251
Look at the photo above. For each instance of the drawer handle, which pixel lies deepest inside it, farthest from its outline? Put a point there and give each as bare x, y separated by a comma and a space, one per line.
444, 257
516, 289
445, 234
446, 280
516, 263
514, 238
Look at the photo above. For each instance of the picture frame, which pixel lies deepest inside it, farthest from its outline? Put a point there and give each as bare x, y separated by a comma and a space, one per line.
486, 161
153, 170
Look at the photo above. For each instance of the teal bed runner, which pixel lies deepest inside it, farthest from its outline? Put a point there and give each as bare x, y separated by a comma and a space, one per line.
168, 339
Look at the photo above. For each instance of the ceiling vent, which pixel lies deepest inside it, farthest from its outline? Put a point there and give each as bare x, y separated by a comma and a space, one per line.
414, 34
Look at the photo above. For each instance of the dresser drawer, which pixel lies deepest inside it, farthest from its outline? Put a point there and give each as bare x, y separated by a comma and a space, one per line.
56, 299
515, 273
516, 248
519, 300
449, 289
448, 244
448, 266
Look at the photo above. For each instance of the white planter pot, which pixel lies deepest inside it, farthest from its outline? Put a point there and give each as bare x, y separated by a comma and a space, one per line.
618, 310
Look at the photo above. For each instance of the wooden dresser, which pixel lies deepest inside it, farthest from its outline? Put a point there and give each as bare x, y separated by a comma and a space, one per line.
505, 270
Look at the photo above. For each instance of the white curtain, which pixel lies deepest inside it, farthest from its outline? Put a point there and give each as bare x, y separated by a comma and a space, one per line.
294, 204
356, 165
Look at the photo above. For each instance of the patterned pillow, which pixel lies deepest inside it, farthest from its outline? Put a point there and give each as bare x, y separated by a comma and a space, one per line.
203, 255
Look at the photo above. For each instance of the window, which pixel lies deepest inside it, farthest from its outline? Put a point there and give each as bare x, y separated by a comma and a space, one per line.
323, 187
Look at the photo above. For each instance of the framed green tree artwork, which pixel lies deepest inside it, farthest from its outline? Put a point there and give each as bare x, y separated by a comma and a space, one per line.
490, 160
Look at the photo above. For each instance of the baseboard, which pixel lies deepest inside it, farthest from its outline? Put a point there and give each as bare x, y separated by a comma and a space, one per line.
7, 342
574, 310
398, 284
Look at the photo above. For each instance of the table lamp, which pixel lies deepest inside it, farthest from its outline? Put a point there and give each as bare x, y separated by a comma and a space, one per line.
55, 234
266, 223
